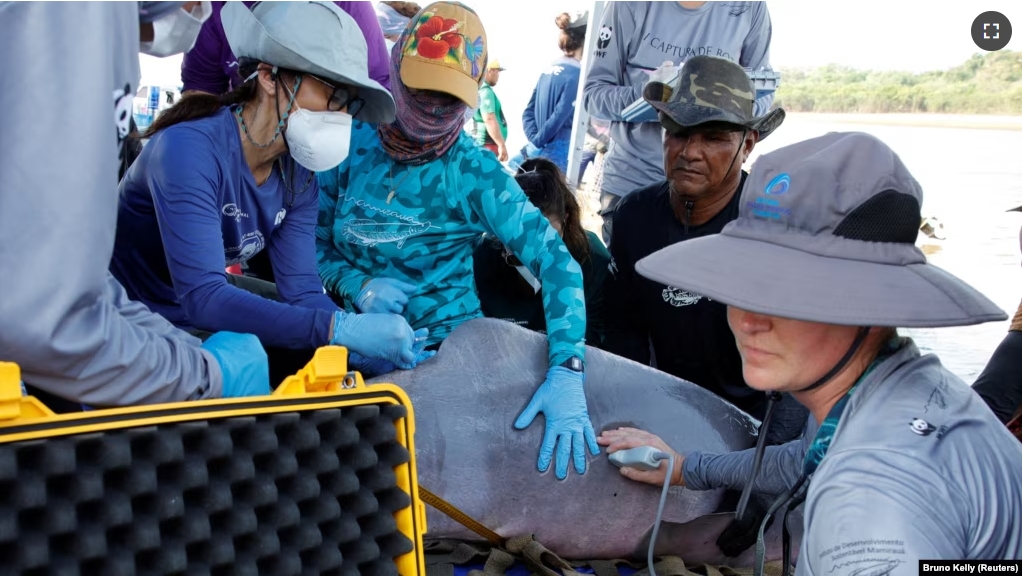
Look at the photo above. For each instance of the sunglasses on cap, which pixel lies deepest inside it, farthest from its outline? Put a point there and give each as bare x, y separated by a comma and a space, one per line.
341, 97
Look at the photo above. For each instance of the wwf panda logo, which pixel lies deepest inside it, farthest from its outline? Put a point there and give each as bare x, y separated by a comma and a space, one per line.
604, 38
123, 99
122, 111
922, 427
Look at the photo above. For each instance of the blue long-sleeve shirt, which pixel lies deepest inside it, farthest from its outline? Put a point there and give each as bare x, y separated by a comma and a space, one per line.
551, 109
189, 206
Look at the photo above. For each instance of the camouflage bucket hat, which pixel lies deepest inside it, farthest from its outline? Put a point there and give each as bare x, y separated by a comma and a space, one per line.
711, 90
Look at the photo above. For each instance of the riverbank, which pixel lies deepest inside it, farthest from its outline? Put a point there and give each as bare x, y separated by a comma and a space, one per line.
920, 120
590, 201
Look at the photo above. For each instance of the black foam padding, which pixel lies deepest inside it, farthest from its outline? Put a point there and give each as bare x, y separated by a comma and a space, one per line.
310, 492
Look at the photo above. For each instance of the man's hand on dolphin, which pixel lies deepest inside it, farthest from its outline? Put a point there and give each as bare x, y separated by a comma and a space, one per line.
625, 438
562, 401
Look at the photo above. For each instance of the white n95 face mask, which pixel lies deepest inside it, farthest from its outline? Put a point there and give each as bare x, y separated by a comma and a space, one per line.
176, 32
318, 140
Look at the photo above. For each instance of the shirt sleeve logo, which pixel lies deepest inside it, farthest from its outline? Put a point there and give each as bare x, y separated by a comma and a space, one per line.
606, 32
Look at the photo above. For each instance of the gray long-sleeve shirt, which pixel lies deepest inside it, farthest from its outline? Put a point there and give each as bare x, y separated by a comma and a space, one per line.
637, 37
70, 72
919, 468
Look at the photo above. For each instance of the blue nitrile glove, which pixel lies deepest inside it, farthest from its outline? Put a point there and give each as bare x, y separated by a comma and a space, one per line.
562, 401
384, 295
379, 336
373, 367
243, 362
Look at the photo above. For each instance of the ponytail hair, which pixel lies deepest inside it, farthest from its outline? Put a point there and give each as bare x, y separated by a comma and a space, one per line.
545, 186
199, 105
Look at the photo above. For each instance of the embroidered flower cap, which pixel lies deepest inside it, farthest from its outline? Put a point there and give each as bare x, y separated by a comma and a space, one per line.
445, 50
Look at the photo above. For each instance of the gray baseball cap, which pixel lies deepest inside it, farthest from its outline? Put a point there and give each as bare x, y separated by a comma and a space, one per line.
825, 233
314, 37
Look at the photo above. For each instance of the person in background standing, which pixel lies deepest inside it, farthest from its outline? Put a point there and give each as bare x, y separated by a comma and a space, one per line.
548, 117
489, 122
635, 38
393, 17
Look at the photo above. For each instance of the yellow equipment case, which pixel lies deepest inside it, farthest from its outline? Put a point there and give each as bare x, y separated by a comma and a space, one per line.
318, 478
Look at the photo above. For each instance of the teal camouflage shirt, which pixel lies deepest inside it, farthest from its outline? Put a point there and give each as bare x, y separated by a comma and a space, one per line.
421, 224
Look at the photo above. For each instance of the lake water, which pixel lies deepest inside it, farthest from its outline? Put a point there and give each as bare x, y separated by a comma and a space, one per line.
970, 177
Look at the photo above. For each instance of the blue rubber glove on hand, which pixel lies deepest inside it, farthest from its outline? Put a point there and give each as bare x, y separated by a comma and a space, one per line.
243, 363
379, 336
562, 401
384, 295
373, 367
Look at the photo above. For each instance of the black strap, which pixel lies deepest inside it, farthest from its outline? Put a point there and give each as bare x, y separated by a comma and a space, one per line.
859, 338
796, 500
773, 399
760, 540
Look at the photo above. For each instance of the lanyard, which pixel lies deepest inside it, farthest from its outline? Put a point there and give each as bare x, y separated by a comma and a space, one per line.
817, 450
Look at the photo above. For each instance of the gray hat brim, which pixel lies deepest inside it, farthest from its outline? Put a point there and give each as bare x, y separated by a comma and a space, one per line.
688, 115
1019, 209
249, 38
779, 281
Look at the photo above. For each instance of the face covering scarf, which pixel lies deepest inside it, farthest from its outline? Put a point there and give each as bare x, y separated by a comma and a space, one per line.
427, 123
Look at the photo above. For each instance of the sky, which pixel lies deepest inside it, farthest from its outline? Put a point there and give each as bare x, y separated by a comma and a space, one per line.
912, 35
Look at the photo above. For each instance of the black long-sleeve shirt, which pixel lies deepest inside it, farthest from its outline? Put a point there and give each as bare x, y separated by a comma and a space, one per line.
689, 334
1000, 384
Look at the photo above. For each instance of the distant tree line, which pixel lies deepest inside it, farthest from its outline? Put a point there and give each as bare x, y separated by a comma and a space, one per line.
989, 83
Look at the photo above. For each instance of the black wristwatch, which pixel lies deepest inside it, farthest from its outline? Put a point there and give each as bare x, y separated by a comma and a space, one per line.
574, 363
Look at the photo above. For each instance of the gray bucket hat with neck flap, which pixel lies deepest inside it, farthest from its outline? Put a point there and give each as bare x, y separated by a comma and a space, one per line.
826, 233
